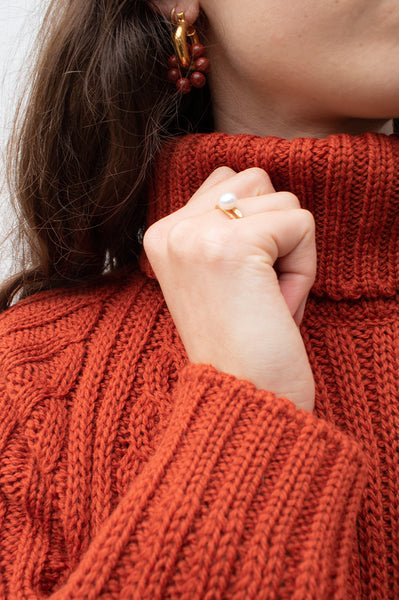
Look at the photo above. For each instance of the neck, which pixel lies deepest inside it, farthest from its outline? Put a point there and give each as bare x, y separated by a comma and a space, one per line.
242, 110
273, 122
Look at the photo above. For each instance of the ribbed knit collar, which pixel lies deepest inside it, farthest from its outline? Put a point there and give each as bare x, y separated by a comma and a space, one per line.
350, 184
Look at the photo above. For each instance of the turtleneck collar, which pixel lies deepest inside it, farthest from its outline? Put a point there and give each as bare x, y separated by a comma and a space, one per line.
350, 184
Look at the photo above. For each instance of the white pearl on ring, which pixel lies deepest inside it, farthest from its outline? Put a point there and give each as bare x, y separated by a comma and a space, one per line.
227, 201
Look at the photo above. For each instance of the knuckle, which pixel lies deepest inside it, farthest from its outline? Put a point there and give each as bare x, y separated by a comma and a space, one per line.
290, 199
152, 238
309, 220
223, 172
258, 178
179, 238
208, 245
215, 244
306, 222
219, 175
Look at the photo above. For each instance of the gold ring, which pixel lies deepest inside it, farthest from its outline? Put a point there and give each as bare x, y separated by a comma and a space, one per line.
227, 204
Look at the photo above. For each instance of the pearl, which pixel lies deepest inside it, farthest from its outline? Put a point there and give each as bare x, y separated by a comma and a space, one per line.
227, 201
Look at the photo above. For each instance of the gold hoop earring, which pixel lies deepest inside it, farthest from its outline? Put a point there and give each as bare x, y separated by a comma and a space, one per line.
188, 66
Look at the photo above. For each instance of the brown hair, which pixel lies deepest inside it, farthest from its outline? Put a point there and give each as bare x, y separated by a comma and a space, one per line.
98, 109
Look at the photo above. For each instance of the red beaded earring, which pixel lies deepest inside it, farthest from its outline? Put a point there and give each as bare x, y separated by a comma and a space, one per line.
187, 68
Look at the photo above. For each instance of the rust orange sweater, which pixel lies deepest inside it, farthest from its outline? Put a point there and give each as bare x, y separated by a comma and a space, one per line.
127, 473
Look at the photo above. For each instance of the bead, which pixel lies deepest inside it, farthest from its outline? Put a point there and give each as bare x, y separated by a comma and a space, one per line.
173, 62
173, 75
227, 201
183, 85
202, 64
191, 75
198, 79
197, 50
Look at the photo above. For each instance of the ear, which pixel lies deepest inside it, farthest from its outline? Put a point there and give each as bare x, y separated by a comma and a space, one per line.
190, 8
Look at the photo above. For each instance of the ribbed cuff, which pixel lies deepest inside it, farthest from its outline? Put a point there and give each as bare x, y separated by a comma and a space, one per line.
245, 497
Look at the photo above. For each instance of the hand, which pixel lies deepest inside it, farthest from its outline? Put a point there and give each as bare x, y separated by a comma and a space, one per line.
236, 289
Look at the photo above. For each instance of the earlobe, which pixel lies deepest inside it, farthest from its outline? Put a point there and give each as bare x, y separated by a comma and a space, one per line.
190, 8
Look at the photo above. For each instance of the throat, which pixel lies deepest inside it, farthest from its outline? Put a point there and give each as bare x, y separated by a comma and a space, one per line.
274, 121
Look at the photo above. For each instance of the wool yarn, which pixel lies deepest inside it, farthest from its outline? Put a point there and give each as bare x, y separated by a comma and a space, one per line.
128, 473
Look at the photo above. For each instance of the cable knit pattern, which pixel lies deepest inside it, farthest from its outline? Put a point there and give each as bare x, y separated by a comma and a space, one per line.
128, 473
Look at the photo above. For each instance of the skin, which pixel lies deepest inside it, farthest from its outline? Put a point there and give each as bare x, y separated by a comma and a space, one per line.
303, 68
219, 283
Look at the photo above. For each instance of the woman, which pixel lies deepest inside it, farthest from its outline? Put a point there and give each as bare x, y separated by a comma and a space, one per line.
188, 449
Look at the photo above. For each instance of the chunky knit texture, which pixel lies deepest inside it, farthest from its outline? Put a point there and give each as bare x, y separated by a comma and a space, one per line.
126, 472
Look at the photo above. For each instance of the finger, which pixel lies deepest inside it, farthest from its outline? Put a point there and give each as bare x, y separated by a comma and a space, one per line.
248, 206
218, 176
295, 288
265, 203
295, 241
249, 183
262, 239
155, 235
276, 233
298, 315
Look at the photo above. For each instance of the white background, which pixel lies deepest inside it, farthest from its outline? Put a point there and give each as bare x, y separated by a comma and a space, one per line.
19, 23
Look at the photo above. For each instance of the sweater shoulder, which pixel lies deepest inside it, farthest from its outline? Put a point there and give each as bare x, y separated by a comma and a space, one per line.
48, 308
42, 325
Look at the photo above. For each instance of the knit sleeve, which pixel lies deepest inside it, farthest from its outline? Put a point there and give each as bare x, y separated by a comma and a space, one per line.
245, 497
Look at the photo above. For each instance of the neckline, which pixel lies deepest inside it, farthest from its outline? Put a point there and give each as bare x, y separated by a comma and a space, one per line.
349, 183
